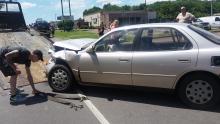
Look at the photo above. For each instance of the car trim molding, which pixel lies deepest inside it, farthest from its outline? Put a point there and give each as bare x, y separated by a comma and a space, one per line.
161, 75
118, 73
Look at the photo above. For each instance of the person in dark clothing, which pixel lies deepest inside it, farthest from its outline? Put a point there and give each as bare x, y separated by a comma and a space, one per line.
9, 57
101, 30
52, 29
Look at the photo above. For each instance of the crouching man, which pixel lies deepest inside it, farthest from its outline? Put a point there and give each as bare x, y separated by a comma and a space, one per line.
9, 57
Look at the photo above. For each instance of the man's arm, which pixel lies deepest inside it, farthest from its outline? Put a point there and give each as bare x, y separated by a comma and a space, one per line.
177, 18
191, 17
30, 79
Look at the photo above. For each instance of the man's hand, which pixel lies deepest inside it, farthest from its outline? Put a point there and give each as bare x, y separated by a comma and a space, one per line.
18, 72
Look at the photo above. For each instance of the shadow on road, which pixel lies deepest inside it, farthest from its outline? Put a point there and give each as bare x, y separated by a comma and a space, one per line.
31, 100
165, 99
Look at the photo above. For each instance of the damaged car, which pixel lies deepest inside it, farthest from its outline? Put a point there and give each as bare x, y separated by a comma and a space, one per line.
179, 57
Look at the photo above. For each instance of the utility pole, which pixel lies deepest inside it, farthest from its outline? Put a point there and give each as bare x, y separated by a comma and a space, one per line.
62, 8
145, 10
211, 8
70, 8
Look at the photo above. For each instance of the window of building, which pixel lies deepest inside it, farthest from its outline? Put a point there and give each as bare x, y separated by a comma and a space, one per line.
95, 20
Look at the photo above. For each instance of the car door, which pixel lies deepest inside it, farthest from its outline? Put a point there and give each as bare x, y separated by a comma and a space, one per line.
164, 53
110, 62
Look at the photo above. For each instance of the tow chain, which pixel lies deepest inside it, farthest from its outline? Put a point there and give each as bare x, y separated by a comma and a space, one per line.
61, 99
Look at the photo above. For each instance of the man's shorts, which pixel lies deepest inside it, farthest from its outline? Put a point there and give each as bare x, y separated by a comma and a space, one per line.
5, 68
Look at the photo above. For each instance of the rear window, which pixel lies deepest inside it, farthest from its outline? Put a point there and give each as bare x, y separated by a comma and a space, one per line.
3, 7
13, 8
206, 34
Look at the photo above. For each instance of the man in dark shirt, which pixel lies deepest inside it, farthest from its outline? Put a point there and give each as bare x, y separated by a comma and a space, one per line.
9, 57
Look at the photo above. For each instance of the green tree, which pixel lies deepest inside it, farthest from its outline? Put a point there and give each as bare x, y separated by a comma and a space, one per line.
168, 10
66, 25
108, 7
92, 10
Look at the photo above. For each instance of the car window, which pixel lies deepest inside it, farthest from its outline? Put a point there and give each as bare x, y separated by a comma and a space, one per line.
217, 19
159, 39
117, 41
13, 8
206, 34
3, 8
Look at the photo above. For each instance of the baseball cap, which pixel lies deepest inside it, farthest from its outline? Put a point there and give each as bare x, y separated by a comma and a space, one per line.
39, 54
183, 7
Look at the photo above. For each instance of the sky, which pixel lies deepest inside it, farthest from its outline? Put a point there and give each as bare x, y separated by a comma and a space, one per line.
50, 9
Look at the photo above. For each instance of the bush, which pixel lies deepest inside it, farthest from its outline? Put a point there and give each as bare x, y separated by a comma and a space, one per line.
66, 25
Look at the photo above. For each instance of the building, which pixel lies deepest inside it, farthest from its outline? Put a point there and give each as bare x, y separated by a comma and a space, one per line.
80, 23
124, 17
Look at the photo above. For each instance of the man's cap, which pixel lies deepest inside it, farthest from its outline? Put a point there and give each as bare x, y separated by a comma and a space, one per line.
183, 7
39, 54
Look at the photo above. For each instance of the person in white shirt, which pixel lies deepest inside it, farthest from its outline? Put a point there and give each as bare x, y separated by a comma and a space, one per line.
184, 16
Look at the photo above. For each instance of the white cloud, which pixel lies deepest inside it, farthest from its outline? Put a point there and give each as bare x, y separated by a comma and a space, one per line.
75, 4
102, 2
27, 5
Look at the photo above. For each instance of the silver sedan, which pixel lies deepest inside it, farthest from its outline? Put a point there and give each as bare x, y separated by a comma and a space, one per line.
180, 57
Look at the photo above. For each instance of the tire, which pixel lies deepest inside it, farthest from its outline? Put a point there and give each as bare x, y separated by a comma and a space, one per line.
60, 78
199, 91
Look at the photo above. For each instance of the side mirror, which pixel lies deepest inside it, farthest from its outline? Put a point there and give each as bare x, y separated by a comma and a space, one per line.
90, 49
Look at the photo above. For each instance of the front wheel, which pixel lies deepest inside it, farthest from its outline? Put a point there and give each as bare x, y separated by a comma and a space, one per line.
199, 91
60, 78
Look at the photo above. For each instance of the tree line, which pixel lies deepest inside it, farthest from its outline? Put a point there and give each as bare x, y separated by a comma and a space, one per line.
165, 9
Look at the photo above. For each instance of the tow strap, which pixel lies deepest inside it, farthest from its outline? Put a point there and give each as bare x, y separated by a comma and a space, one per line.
61, 99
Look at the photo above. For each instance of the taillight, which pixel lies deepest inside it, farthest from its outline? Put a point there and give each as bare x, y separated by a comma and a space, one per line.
215, 61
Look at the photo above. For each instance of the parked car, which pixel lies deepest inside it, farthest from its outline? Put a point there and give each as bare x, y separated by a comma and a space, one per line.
201, 24
214, 21
43, 27
175, 56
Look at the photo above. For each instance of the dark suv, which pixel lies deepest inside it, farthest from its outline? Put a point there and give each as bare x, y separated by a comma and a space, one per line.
43, 27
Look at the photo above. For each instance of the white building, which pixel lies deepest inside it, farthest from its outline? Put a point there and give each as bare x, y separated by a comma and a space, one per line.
124, 17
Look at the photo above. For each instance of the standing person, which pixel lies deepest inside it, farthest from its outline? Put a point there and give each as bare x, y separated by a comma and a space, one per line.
114, 24
101, 30
52, 29
184, 16
9, 57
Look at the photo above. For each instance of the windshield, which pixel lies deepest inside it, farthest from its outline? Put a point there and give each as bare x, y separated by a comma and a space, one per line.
208, 35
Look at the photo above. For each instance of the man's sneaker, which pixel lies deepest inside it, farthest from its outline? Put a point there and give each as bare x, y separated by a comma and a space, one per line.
17, 98
18, 91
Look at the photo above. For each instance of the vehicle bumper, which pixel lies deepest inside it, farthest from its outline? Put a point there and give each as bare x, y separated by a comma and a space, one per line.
49, 66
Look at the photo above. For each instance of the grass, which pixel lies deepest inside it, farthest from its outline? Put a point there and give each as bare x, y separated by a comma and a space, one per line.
75, 34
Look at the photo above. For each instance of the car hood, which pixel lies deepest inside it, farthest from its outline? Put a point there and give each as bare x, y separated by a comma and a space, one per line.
74, 44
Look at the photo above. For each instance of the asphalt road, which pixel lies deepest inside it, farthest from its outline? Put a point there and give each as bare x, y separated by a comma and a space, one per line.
105, 105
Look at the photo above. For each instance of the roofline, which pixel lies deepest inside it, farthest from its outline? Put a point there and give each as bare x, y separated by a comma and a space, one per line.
121, 11
151, 25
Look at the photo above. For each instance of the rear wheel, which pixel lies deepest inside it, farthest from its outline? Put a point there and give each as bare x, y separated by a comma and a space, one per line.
199, 91
60, 79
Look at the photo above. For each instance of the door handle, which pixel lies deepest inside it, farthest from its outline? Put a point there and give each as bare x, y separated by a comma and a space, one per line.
123, 60
184, 60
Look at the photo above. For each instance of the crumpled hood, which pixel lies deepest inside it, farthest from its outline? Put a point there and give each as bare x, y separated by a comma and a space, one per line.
74, 44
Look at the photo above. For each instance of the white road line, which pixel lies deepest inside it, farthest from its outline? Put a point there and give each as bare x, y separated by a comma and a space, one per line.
94, 110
